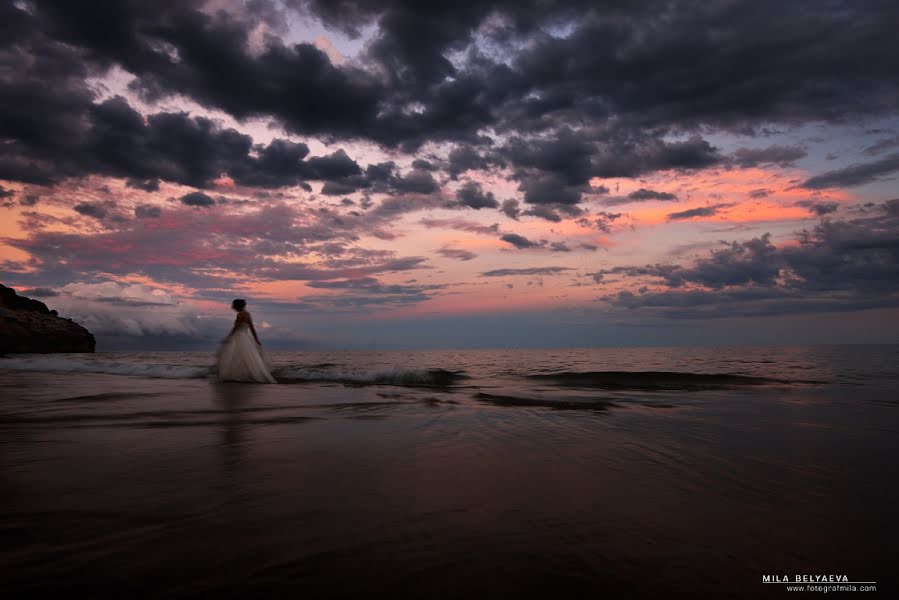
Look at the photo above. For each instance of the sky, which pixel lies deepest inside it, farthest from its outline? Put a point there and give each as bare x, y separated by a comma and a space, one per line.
484, 174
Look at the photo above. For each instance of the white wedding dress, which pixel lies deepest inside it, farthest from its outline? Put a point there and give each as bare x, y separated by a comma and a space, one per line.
240, 358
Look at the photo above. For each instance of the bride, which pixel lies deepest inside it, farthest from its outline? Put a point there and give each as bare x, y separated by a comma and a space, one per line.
240, 356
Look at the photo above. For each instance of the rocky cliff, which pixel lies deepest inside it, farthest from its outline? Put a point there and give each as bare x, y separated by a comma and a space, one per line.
27, 325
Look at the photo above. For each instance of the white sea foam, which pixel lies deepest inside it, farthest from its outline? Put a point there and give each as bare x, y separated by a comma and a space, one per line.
383, 376
67, 364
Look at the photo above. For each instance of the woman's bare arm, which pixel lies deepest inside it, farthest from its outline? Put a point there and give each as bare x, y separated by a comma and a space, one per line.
253, 329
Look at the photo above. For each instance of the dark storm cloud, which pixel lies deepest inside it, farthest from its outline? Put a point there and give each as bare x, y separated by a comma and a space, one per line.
685, 73
197, 199
782, 156
614, 97
471, 195
676, 66
882, 145
417, 182
118, 141
281, 164
755, 261
645, 194
380, 178
641, 195
553, 171
465, 158
333, 166
549, 189
556, 171
566, 155
704, 211
553, 211
633, 157
819, 208
145, 211
92, 209
176, 48
5, 193
838, 265
858, 174
420, 163
519, 241
147, 185
511, 208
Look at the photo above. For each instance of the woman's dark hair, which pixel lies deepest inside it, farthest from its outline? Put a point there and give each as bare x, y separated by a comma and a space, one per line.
238, 304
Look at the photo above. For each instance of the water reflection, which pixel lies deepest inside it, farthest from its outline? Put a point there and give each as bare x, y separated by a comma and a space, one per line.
233, 400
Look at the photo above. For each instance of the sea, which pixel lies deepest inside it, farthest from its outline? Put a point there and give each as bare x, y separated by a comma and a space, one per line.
610, 472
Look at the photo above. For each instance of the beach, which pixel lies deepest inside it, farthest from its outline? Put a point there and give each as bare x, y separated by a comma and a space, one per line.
636, 472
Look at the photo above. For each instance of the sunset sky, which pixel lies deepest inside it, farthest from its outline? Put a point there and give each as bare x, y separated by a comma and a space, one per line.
377, 173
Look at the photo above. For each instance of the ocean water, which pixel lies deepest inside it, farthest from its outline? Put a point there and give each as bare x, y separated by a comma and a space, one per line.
636, 472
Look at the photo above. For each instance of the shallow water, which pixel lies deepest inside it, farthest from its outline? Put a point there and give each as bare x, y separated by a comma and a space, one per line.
624, 472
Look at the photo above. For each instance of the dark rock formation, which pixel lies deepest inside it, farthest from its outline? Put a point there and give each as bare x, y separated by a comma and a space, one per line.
27, 325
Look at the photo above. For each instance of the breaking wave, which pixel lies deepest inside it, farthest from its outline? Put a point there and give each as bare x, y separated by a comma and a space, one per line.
290, 374
412, 377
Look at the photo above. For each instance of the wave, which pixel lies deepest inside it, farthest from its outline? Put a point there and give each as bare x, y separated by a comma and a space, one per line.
655, 380
291, 374
69, 365
410, 377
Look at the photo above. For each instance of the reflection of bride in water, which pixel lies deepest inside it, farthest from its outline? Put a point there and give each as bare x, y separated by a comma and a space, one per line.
240, 355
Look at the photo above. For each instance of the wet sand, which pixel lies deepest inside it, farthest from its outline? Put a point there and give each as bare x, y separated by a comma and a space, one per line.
126, 487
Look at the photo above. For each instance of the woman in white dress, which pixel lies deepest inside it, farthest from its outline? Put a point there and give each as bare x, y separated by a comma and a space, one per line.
240, 356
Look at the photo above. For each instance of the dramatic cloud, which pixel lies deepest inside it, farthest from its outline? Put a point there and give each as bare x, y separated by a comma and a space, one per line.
782, 156
882, 145
511, 208
819, 208
320, 156
837, 266
197, 199
472, 196
644, 194
91, 209
641, 195
703, 211
144, 211
858, 174
519, 241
